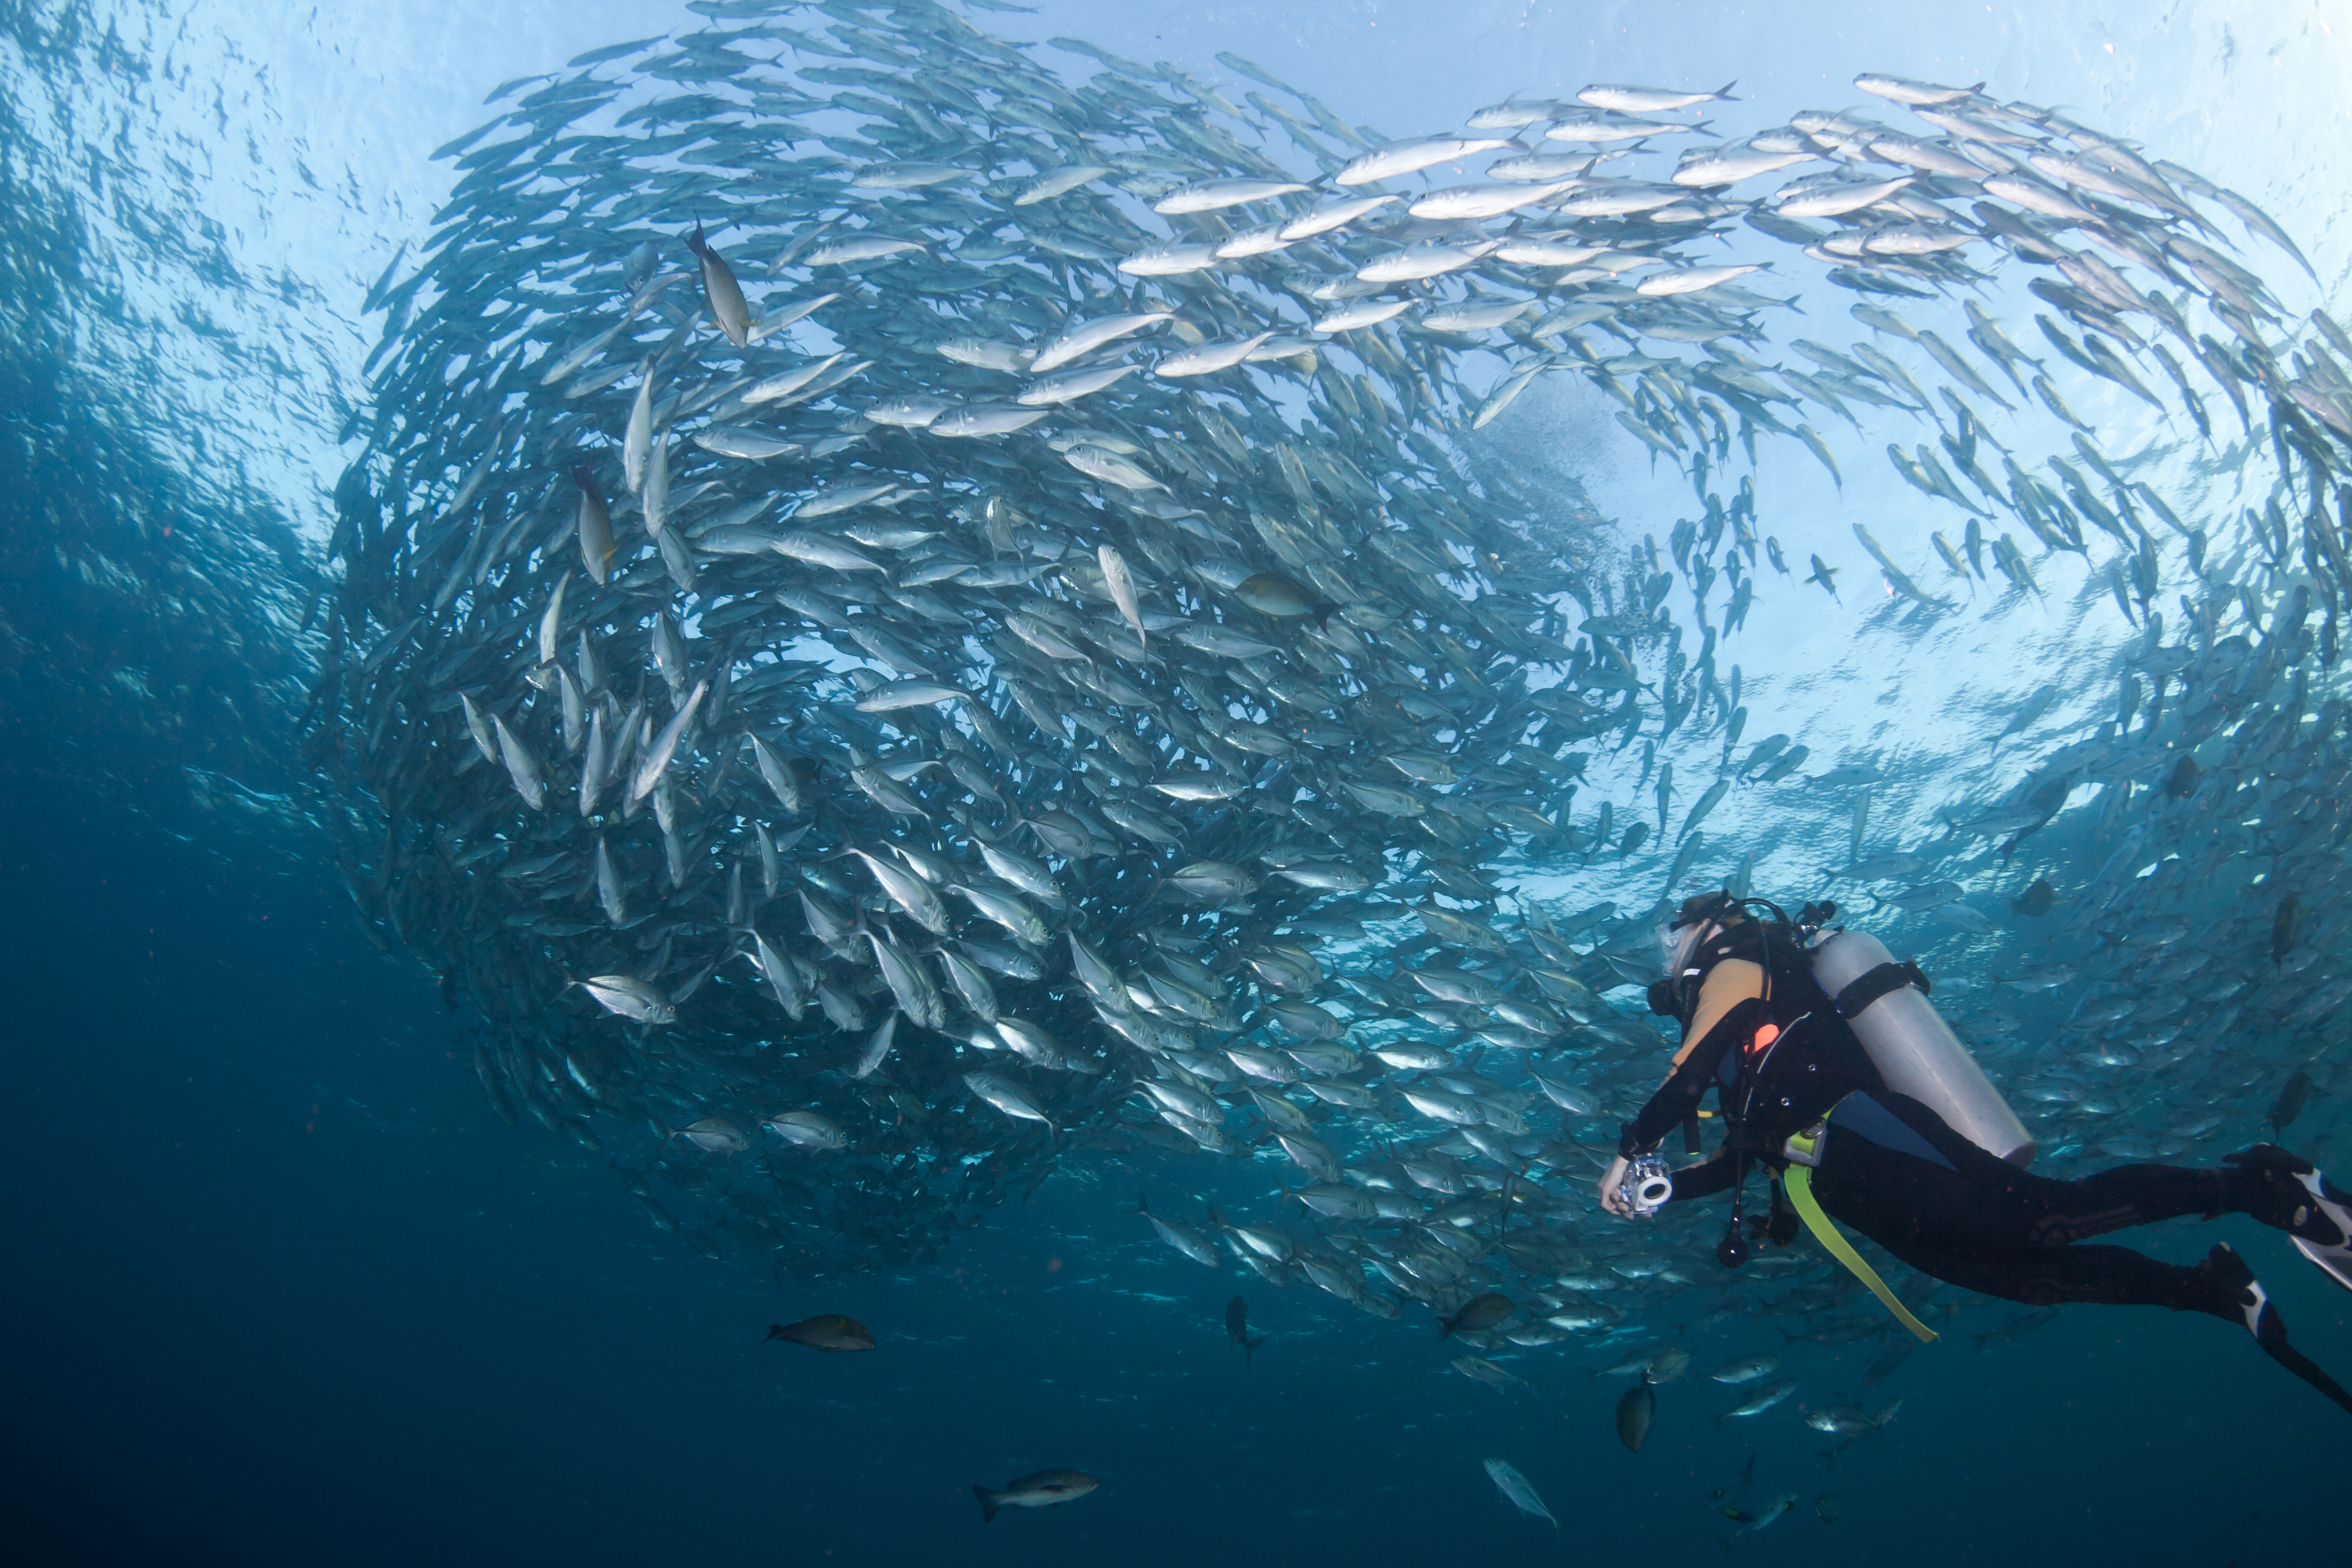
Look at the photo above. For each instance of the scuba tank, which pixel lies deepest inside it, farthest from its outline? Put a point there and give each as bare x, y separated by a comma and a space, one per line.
1911, 1045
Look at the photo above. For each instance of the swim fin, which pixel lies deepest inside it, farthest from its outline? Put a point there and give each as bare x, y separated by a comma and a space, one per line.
2298, 1198
2242, 1291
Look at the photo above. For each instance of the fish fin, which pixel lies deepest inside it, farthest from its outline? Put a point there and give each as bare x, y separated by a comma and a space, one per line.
1724, 92
989, 1501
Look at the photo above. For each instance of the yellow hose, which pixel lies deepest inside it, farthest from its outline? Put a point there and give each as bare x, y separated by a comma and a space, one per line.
1799, 1181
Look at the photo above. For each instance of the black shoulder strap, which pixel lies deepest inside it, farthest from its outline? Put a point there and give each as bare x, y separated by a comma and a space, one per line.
1872, 984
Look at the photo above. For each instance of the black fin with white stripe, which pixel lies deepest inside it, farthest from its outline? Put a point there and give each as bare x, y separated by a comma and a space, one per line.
2253, 1304
2298, 1198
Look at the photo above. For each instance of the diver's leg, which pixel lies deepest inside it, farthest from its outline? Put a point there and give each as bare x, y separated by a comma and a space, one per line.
2047, 1212
2123, 1196
2222, 1287
2280, 1189
1893, 1170
2056, 1276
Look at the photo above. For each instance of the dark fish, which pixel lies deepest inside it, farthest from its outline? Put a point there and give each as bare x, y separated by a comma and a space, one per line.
1884, 1367
2037, 898
593, 523
1747, 1480
829, 1331
1825, 1509
721, 292
1480, 1312
1283, 598
1237, 1329
2181, 782
2284, 925
1635, 1412
1039, 1488
2292, 1096
1826, 575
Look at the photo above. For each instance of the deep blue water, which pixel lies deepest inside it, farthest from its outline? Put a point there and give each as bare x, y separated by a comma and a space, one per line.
283, 1289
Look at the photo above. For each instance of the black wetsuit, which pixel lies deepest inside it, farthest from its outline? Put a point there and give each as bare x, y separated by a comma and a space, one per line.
1893, 1170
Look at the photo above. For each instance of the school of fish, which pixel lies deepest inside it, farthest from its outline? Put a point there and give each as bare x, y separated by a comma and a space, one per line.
915, 608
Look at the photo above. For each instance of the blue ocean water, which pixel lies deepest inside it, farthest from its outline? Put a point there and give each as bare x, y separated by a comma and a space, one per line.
285, 1291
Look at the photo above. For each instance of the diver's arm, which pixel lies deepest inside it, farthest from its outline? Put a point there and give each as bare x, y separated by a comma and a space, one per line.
1695, 1069
1731, 983
1707, 1179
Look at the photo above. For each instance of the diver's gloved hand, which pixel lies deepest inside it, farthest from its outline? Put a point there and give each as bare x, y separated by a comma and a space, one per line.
1611, 1185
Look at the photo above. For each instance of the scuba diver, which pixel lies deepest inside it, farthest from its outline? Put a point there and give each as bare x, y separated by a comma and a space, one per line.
1836, 1075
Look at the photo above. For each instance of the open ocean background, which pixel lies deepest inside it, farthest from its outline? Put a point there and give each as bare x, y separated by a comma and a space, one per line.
280, 1288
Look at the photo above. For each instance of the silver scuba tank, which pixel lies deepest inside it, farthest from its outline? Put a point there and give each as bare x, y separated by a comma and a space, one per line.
1913, 1047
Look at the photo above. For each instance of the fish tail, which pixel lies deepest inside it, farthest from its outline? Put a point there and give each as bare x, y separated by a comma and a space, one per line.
989, 1501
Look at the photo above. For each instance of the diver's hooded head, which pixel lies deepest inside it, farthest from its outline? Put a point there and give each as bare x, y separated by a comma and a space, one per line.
1676, 995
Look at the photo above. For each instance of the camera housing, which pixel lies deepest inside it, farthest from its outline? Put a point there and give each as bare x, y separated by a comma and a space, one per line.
1649, 1183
